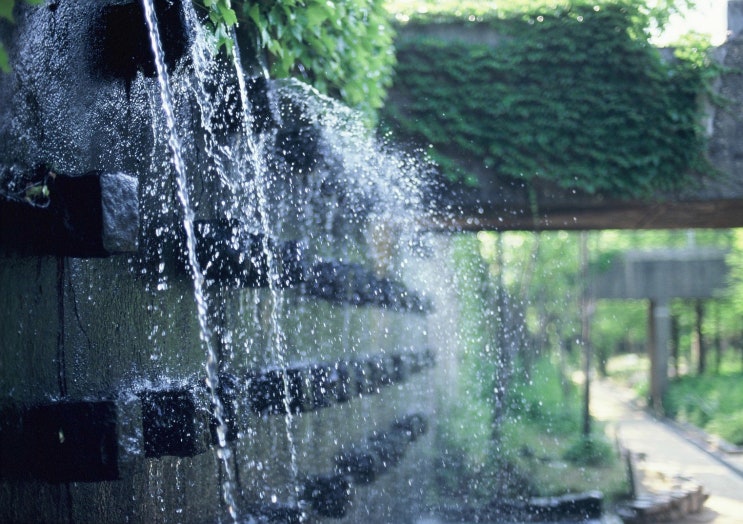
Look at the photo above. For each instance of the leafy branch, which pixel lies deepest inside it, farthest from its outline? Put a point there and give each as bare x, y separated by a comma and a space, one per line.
344, 49
221, 18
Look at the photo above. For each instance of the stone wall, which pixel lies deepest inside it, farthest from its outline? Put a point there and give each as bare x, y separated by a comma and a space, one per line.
81, 334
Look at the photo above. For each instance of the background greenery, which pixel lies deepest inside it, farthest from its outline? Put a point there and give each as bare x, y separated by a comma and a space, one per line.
532, 446
573, 95
535, 447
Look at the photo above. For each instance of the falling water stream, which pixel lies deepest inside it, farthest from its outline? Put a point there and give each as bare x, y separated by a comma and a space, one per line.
257, 151
212, 359
245, 156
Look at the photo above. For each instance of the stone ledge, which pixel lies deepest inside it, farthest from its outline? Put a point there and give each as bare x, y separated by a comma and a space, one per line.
660, 497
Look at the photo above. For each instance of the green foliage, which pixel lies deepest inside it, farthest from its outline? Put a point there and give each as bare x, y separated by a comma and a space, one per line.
539, 437
545, 398
470, 418
6, 13
735, 263
542, 456
4, 61
344, 49
714, 403
430, 10
540, 274
649, 15
221, 19
593, 450
729, 428
574, 96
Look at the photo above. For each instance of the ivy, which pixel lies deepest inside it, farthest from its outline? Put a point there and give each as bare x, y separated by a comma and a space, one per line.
342, 48
574, 96
221, 19
6, 13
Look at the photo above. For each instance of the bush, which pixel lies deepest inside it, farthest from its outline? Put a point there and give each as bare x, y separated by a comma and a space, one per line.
593, 450
545, 397
729, 428
712, 403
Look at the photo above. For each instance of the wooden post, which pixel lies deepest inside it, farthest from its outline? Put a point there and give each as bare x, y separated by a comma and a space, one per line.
701, 347
585, 307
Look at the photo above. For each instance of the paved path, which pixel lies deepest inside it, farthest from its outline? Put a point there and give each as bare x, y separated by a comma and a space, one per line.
667, 451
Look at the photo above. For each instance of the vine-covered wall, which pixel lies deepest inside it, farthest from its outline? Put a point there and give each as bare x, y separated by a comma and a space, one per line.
574, 96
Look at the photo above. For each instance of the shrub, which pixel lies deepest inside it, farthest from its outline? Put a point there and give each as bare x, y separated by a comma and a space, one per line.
593, 450
728, 427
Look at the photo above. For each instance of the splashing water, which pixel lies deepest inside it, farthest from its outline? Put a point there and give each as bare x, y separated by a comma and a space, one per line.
258, 152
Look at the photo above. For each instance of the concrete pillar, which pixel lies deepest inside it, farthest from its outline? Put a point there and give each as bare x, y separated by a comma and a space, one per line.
659, 337
735, 18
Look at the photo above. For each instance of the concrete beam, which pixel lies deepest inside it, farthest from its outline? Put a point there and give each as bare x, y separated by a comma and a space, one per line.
663, 274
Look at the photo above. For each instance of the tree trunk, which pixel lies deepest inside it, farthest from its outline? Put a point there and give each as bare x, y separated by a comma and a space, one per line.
503, 350
585, 307
718, 339
701, 348
675, 343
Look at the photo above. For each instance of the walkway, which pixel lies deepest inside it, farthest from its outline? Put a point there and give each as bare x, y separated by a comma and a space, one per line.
666, 451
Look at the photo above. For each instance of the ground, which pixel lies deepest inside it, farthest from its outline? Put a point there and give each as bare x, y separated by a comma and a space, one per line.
664, 449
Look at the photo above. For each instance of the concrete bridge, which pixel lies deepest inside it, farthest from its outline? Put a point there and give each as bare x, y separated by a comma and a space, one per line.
659, 276
717, 202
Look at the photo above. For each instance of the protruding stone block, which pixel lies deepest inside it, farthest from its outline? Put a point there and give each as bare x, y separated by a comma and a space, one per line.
90, 215
328, 495
268, 390
232, 257
174, 423
361, 465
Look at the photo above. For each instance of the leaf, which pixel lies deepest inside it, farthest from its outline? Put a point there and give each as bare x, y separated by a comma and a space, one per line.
4, 62
255, 14
228, 15
6, 9
316, 15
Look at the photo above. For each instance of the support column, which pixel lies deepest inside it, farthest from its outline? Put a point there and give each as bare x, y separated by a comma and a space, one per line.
659, 337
